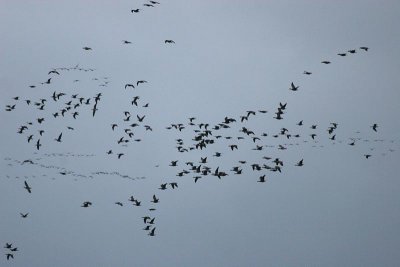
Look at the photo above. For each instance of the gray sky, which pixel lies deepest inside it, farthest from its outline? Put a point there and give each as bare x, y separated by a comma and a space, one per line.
339, 209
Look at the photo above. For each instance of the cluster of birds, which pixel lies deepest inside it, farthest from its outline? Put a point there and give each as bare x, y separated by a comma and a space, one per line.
233, 134
126, 124
10, 250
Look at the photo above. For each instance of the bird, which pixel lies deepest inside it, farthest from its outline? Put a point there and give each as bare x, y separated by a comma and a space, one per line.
152, 232
8, 245
300, 163
135, 10
53, 71
163, 187
367, 156
169, 41
86, 48
374, 127
364, 48
134, 100
173, 185
9, 255
86, 204
58, 139
119, 203
120, 155
24, 215
155, 199
129, 85
126, 42
326, 62
342, 54
38, 144
307, 73
293, 87
27, 187
140, 119
261, 179
139, 82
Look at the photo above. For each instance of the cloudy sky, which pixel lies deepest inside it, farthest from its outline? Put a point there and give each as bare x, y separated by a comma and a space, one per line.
229, 57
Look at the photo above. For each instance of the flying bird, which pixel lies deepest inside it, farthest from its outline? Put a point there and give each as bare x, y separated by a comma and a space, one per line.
59, 138
169, 41
129, 85
293, 87
27, 187
300, 163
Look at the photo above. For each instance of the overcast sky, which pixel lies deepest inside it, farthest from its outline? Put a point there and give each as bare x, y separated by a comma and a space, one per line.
229, 57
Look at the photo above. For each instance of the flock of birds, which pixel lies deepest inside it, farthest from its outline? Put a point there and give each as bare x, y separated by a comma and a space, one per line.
232, 133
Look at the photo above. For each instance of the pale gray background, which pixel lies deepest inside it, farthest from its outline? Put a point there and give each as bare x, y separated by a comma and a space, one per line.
230, 56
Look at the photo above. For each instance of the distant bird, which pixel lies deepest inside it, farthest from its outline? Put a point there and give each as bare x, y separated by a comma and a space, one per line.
152, 232
261, 179
173, 185
86, 48
367, 156
38, 144
154, 2
342, 54
364, 48
307, 73
24, 215
169, 41
163, 186
325, 62
135, 10
126, 42
374, 127
119, 204
59, 138
8, 245
9, 256
148, 5
300, 123
120, 155
155, 199
139, 82
352, 51
53, 71
173, 163
86, 204
293, 87
27, 187
134, 101
140, 119
129, 85
300, 163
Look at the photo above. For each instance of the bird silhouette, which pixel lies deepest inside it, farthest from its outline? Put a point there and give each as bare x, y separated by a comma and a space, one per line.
293, 87
27, 187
